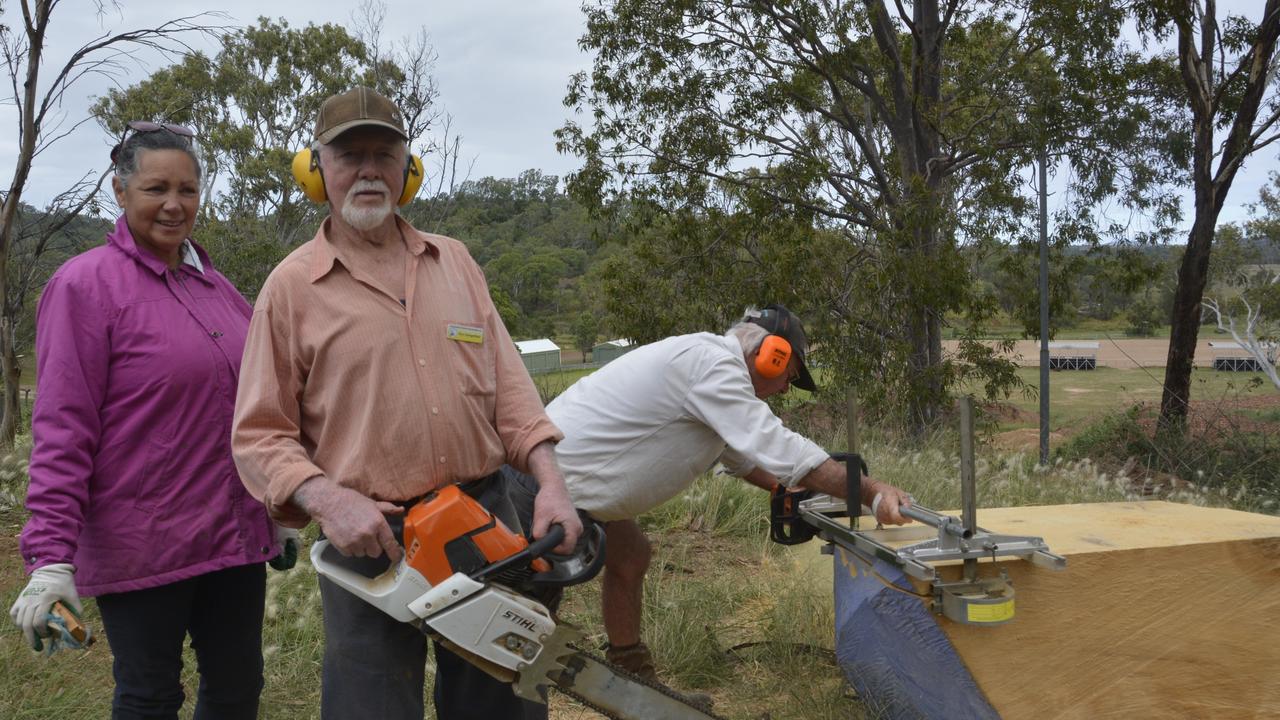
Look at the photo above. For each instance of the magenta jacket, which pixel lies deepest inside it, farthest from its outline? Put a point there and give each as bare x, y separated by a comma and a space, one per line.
132, 479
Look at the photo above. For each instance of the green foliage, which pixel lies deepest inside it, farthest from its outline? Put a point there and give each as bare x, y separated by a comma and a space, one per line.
893, 143
586, 330
1145, 314
1217, 461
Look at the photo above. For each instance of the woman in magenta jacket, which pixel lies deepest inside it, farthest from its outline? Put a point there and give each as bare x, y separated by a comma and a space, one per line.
134, 497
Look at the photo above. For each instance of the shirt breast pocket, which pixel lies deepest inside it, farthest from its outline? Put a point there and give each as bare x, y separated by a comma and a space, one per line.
472, 359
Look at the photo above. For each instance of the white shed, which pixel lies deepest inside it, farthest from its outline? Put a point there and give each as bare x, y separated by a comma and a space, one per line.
611, 350
540, 355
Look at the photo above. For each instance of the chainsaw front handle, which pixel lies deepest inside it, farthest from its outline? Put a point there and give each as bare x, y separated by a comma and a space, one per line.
582, 565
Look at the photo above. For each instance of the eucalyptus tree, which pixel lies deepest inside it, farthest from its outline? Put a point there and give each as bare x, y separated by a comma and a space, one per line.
1228, 70
902, 128
38, 87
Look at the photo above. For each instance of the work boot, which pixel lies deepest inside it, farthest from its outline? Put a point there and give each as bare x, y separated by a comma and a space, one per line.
637, 660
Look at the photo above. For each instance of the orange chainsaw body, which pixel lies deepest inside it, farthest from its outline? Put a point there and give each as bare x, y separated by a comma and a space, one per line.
449, 532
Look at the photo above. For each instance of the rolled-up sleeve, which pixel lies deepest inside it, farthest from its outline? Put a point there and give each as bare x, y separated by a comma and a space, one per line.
755, 438
266, 432
72, 359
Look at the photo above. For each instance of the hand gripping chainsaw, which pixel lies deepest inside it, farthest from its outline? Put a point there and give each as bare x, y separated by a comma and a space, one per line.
464, 579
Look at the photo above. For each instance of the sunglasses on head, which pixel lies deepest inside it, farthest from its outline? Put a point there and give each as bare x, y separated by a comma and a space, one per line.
146, 126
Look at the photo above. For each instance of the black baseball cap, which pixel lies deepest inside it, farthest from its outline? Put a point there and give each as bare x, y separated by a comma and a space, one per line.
779, 321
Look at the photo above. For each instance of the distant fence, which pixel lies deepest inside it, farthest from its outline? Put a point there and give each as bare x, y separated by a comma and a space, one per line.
575, 366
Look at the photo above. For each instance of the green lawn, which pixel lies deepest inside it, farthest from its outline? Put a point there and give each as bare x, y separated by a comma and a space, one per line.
1077, 396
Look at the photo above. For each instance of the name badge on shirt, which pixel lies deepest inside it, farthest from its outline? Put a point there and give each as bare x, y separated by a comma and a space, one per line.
466, 333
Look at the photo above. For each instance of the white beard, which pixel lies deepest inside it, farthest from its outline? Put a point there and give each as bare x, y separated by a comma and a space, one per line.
365, 218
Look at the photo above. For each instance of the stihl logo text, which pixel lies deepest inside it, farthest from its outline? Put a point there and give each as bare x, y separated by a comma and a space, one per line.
523, 622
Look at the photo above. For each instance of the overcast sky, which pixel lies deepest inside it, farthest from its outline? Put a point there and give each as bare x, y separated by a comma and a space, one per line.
502, 72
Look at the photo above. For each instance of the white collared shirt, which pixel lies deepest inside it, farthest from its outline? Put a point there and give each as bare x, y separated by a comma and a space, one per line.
642, 428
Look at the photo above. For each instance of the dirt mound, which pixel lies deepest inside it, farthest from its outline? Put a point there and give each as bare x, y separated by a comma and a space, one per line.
1004, 412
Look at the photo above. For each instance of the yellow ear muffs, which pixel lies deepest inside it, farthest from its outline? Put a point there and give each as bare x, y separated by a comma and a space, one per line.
773, 357
306, 170
413, 177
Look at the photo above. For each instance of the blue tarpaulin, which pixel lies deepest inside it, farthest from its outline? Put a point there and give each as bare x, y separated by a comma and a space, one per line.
892, 651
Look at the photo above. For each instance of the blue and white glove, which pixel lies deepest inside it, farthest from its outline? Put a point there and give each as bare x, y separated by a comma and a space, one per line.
48, 585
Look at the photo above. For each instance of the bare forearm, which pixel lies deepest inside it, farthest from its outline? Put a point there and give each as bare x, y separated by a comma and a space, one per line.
831, 477
552, 504
543, 467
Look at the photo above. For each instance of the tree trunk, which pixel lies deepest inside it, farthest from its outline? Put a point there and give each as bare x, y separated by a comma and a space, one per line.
8, 362
12, 381
1184, 324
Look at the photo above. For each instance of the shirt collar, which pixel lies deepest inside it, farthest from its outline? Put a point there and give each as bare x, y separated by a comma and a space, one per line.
122, 239
325, 253
191, 257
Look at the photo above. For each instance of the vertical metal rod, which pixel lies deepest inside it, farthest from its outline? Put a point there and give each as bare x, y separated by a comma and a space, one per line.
851, 427
1044, 309
968, 480
851, 420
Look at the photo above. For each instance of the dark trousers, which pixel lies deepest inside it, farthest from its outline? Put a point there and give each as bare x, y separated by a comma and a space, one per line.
374, 665
222, 611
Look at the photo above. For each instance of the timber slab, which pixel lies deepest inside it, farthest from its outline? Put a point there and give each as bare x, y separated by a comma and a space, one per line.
1163, 611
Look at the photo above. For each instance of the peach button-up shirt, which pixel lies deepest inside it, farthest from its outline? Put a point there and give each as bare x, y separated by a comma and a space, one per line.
393, 400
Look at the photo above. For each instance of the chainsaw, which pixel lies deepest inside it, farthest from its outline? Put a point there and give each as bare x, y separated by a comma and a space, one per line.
466, 580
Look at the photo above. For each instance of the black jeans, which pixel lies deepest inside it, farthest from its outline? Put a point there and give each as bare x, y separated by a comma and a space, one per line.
374, 665
222, 611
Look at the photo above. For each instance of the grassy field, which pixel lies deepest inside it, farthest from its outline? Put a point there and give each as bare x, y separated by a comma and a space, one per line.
1078, 396
727, 612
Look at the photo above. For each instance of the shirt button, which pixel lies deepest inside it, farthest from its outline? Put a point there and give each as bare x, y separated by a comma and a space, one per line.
265, 549
422, 362
441, 458
435, 411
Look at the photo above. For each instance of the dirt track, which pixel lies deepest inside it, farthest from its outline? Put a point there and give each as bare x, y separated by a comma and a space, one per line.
1115, 353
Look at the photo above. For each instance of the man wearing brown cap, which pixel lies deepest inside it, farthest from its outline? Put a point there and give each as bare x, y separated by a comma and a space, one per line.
642, 428
376, 370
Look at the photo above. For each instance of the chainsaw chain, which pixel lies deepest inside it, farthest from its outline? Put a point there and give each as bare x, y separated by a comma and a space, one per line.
678, 697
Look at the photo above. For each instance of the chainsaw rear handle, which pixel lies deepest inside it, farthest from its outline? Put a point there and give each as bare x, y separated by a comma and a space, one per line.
390, 592
583, 564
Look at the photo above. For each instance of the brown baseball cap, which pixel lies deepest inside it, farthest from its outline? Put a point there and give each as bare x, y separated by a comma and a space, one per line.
353, 108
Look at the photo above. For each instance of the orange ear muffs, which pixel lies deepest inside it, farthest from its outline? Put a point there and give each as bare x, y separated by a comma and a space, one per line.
773, 357
306, 171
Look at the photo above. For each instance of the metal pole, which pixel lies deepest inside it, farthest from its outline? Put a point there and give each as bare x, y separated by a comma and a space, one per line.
851, 420
1044, 309
853, 503
968, 481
